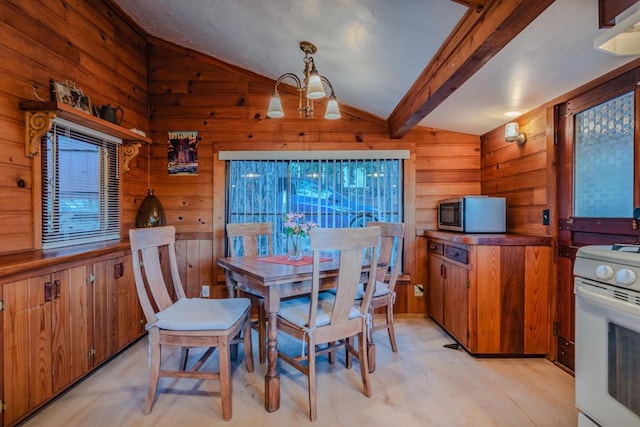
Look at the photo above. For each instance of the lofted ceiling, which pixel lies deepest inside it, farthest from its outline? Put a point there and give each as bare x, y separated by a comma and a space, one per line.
373, 51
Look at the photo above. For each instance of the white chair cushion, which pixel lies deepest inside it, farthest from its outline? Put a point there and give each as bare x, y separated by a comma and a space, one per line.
296, 310
381, 289
200, 314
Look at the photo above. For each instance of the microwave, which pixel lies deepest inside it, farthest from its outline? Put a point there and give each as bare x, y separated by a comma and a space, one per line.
473, 214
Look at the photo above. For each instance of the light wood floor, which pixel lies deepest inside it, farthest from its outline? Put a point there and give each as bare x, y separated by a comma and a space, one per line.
424, 384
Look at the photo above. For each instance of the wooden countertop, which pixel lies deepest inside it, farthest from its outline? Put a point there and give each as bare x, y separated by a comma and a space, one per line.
501, 239
21, 262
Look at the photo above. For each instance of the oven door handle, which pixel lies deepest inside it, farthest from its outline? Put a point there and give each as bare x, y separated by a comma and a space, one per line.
612, 303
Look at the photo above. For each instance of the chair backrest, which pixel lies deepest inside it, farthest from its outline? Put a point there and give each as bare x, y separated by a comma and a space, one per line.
250, 233
146, 244
391, 237
350, 245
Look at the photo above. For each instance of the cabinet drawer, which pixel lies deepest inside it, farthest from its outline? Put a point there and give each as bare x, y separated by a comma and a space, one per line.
435, 248
458, 254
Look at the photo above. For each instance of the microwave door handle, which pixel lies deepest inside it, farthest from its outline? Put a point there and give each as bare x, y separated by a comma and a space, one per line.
611, 303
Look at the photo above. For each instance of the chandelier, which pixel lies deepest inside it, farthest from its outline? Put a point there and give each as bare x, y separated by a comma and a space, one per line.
311, 88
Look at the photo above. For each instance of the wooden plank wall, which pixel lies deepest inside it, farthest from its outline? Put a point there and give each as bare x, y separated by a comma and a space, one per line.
90, 43
227, 105
523, 174
87, 42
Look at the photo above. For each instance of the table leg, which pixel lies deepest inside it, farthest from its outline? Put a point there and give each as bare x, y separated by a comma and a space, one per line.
231, 285
272, 379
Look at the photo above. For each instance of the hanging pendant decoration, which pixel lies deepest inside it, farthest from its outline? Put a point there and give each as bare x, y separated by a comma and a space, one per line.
151, 213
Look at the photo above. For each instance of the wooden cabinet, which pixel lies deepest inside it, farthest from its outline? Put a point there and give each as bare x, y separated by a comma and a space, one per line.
448, 289
117, 315
491, 292
61, 321
435, 285
45, 337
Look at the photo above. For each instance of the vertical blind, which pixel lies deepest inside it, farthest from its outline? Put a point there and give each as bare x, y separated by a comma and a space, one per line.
80, 186
333, 193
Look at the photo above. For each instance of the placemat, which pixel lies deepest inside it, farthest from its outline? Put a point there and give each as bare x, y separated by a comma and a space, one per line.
284, 259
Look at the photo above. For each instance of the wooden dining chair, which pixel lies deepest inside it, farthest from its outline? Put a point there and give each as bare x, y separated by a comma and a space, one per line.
391, 241
325, 321
185, 322
244, 239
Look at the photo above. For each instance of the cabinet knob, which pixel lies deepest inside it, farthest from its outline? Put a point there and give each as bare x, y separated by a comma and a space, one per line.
56, 288
47, 291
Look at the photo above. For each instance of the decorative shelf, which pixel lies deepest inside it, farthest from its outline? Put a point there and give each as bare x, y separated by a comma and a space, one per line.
39, 117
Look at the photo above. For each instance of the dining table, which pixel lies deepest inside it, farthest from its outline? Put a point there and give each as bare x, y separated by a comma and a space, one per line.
275, 278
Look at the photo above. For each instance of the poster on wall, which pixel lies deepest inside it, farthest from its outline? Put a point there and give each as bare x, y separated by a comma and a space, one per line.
182, 150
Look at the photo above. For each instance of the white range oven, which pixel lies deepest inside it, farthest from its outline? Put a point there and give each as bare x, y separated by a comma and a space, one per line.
607, 342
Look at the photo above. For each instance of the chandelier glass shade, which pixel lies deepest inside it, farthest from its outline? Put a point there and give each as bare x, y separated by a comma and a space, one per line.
312, 87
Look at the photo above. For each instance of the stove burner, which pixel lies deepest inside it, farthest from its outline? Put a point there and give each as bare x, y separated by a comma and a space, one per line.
626, 248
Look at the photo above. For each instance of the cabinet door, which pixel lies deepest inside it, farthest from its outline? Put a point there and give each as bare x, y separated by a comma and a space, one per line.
456, 302
27, 335
436, 289
101, 308
117, 312
70, 342
129, 313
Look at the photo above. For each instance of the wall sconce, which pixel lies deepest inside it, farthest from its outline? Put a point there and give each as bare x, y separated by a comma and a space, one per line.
512, 133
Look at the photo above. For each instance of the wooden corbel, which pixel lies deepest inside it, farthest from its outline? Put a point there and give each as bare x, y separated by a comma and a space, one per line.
38, 123
129, 152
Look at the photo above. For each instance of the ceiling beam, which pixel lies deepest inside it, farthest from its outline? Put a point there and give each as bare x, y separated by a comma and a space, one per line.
481, 33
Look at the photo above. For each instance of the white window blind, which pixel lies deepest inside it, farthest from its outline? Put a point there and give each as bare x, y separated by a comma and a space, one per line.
80, 186
331, 192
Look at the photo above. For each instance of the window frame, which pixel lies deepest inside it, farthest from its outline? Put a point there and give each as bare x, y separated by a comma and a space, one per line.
109, 166
323, 157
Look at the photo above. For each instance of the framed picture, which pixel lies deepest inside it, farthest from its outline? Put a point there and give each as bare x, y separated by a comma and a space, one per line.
67, 93
183, 152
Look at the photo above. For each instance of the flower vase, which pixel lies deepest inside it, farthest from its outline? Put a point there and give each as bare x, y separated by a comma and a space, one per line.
295, 247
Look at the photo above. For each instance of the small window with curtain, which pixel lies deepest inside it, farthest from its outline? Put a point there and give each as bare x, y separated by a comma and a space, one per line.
80, 186
332, 189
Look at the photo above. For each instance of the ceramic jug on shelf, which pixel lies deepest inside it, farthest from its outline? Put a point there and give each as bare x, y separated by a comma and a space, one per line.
110, 114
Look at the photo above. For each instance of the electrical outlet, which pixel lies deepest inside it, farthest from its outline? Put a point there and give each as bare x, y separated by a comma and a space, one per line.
418, 290
545, 217
205, 291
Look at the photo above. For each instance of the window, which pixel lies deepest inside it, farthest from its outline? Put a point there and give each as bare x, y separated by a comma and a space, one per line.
604, 156
80, 190
332, 192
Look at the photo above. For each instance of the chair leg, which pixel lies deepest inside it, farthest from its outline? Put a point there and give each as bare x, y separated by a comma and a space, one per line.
184, 356
371, 349
154, 367
363, 357
262, 333
224, 357
311, 366
347, 355
248, 349
332, 354
392, 334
